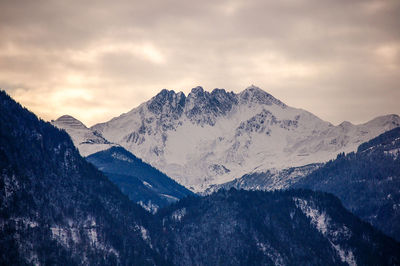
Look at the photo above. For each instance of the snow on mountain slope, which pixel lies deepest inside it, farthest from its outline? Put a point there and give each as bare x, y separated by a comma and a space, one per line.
273, 179
208, 138
85, 139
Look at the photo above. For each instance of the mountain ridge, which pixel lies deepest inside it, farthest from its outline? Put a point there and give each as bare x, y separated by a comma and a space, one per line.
208, 138
141, 182
238, 227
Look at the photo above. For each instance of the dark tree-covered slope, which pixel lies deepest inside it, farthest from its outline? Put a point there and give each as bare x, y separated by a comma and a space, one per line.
140, 181
269, 228
58, 209
367, 182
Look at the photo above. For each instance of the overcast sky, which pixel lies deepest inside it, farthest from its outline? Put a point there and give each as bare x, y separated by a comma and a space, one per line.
97, 59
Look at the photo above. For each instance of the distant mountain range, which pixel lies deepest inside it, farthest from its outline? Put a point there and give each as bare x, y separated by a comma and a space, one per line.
373, 197
209, 138
58, 209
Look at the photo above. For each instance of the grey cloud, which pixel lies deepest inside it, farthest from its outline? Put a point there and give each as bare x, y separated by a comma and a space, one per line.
325, 56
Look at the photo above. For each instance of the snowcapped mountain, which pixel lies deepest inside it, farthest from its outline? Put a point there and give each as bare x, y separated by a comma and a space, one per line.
85, 139
208, 138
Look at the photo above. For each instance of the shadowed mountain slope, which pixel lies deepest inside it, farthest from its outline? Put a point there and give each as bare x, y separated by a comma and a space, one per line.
140, 181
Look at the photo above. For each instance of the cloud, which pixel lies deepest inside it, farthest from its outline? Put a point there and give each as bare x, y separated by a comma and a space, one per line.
97, 59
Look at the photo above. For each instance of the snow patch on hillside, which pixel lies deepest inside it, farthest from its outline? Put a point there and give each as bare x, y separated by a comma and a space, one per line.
332, 232
394, 153
149, 206
121, 157
178, 214
271, 253
318, 219
69, 235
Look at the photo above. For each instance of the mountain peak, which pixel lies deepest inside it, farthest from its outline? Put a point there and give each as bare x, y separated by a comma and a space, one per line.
66, 117
69, 121
167, 101
253, 88
255, 95
197, 90
218, 91
346, 124
165, 92
203, 107
385, 121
